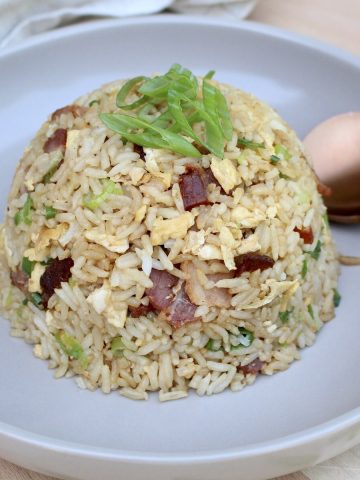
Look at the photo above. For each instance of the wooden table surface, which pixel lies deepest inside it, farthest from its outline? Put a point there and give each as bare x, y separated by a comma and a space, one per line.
336, 22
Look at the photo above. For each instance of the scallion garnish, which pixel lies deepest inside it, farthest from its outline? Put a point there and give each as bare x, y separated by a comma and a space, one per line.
27, 266
304, 268
310, 310
336, 298
282, 152
93, 201
50, 212
177, 94
94, 102
243, 142
284, 316
72, 348
117, 346
284, 176
36, 299
244, 339
213, 345
24, 214
274, 159
315, 254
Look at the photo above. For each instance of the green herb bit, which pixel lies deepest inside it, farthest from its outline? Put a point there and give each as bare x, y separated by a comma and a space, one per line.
27, 266
50, 212
243, 142
47, 177
93, 201
209, 75
315, 254
304, 268
326, 220
274, 159
282, 152
8, 299
284, 316
24, 214
213, 345
284, 176
117, 346
72, 348
310, 310
336, 298
72, 282
244, 339
37, 300
25, 301
94, 102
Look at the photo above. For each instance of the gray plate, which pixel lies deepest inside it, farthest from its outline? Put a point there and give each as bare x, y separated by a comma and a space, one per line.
282, 423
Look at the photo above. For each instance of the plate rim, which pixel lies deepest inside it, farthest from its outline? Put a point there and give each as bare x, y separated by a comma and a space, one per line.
338, 424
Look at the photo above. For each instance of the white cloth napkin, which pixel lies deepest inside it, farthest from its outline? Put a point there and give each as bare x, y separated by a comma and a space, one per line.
20, 19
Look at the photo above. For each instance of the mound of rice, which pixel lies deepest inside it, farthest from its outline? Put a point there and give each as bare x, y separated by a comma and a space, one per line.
112, 280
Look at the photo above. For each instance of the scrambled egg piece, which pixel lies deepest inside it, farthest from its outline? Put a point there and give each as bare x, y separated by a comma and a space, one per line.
34, 280
276, 289
42, 241
152, 167
225, 173
245, 218
72, 145
110, 242
140, 214
250, 244
227, 247
194, 241
100, 298
174, 228
210, 252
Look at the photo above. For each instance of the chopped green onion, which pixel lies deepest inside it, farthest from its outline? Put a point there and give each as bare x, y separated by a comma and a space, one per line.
213, 345
124, 92
315, 254
24, 214
336, 298
50, 212
8, 299
152, 136
117, 346
304, 268
326, 220
27, 266
310, 310
274, 159
177, 91
94, 102
72, 348
25, 301
72, 282
36, 299
284, 176
93, 201
284, 316
282, 152
243, 142
47, 177
244, 339
209, 75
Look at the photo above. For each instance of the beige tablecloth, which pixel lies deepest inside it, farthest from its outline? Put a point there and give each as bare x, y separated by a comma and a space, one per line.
336, 22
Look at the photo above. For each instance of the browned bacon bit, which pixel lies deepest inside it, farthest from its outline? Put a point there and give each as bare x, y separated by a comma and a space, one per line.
76, 110
249, 262
20, 280
193, 188
139, 149
306, 234
252, 368
181, 310
57, 141
56, 272
161, 294
141, 310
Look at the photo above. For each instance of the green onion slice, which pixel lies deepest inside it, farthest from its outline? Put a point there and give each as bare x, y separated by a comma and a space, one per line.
24, 214
117, 346
93, 201
72, 348
27, 266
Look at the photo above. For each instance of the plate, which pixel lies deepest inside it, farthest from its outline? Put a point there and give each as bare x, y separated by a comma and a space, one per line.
282, 423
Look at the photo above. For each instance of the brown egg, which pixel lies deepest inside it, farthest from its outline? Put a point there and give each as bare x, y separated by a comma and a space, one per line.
334, 146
